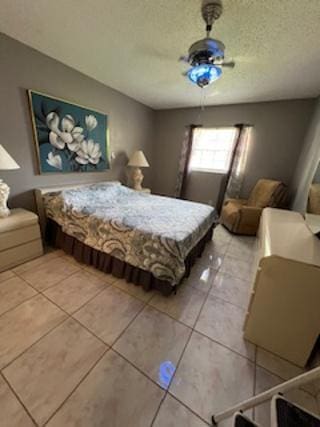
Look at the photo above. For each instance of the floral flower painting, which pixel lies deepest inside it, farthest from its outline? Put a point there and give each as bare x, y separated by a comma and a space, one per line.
69, 138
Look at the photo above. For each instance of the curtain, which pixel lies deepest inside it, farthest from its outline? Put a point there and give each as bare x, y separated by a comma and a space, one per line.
237, 170
184, 161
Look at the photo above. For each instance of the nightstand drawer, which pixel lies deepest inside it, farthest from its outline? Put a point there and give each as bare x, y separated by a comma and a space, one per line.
18, 237
20, 254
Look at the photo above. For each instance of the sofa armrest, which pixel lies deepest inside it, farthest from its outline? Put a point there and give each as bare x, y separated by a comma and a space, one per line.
249, 219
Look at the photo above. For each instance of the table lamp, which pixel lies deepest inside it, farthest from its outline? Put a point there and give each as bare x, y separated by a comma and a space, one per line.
6, 163
137, 161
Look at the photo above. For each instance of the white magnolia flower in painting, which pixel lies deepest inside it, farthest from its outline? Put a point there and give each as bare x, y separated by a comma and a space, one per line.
54, 160
53, 122
56, 141
67, 123
69, 133
89, 152
91, 122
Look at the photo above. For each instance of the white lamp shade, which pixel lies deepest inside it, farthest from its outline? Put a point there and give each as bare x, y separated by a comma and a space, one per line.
6, 161
138, 160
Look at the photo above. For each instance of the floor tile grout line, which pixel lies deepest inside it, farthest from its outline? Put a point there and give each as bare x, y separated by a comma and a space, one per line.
51, 286
81, 306
273, 374
171, 379
227, 302
93, 333
192, 331
109, 347
205, 299
190, 409
182, 354
32, 345
279, 357
225, 346
134, 296
36, 265
15, 276
8, 278
42, 292
89, 330
158, 408
129, 324
60, 323
284, 380
103, 290
146, 303
18, 399
122, 290
77, 386
169, 315
137, 368
276, 374
87, 268
20, 303
235, 277
70, 316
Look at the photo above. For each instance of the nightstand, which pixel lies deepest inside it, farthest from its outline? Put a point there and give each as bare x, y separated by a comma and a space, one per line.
20, 238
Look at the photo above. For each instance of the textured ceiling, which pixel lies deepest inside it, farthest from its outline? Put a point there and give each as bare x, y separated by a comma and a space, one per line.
133, 45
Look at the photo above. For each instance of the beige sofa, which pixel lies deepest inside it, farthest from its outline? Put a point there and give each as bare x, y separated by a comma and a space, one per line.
314, 199
243, 216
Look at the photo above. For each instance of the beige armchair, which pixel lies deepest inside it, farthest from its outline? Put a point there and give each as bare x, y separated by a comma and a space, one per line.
242, 216
314, 199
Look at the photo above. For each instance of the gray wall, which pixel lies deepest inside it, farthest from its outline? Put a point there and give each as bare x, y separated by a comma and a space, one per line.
131, 123
279, 129
308, 163
278, 133
204, 187
316, 178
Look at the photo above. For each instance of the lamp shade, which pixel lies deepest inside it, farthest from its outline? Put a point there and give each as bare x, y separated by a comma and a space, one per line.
138, 160
6, 161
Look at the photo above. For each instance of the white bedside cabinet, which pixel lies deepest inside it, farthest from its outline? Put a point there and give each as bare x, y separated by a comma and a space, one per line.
20, 238
283, 313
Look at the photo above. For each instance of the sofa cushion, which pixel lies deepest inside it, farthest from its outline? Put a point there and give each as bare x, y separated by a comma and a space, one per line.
262, 193
314, 199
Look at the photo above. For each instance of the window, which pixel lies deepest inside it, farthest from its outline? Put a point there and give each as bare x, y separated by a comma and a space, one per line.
212, 149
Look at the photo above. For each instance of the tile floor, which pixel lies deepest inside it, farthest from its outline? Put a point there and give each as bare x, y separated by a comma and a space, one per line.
81, 348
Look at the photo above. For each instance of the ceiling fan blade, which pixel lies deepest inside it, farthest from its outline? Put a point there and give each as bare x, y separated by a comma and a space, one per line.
183, 58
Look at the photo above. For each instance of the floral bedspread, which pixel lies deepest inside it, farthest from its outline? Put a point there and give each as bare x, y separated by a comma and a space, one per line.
153, 233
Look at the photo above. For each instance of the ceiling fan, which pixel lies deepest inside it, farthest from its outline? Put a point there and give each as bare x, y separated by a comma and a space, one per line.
206, 56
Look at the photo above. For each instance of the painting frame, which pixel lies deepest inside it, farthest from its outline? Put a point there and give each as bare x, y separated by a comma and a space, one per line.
88, 158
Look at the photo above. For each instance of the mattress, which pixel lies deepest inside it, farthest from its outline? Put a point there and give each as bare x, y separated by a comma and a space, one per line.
150, 232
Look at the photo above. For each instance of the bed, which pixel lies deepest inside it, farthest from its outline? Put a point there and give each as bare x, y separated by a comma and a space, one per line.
149, 240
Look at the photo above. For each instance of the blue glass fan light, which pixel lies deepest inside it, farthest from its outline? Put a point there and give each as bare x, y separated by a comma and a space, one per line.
204, 74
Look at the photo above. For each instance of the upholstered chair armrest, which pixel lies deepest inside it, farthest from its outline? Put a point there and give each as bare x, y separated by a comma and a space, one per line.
249, 219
